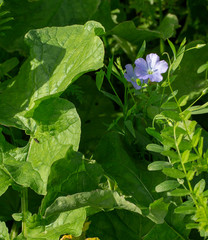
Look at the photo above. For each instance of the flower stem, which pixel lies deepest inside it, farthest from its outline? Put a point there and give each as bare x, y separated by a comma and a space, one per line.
14, 231
24, 205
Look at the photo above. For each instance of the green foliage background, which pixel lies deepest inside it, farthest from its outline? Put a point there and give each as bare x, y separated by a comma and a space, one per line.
69, 142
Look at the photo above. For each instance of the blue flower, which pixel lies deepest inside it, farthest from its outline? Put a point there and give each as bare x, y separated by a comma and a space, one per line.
151, 68
131, 76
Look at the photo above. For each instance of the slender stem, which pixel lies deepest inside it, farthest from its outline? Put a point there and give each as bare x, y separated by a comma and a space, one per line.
183, 166
115, 92
14, 231
24, 205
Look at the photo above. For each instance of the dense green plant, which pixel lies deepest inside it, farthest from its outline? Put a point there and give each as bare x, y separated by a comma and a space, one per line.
85, 155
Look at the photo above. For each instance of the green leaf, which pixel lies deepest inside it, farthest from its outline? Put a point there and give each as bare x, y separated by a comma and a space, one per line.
47, 75
141, 52
67, 222
179, 58
58, 129
119, 225
99, 79
158, 210
98, 199
169, 105
183, 100
132, 177
185, 156
134, 35
174, 173
185, 210
186, 77
155, 148
75, 173
130, 127
167, 186
168, 26
199, 187
60, 13
4, 234
172, 48
8, 65
112, 97
158, 165
154, 133
202, 68
179, 192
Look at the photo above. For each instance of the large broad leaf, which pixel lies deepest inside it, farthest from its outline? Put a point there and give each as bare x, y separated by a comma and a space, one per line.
75, 174
58, 57
70, 222
98, 199
119, 225
188, 81
57, 130
134, 180
122, 225
59, 13
4, 235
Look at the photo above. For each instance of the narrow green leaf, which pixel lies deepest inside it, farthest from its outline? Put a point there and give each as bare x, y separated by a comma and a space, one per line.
179, 192
183, 100
172, 48
167, 186
141, 52
112, 97
99, 79
174, 173
179, 58
158, 165
185, 156
109, 69
154, 148
199, 187
185, 210
202, 68
130, 127
200, 146
196, 137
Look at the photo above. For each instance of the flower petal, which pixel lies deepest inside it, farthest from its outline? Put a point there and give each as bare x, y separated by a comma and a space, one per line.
152, 59
141, 68
156, 77
129, 72
135, 85
161, 66
129, 69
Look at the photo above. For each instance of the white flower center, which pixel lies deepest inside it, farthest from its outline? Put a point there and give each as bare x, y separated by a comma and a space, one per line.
150, 71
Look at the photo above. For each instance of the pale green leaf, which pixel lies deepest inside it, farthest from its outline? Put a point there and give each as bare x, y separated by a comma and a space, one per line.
67, 222
179, 192
174, 173
158, 165
167, 186
4, 234
155, 148
98, 199
69, 52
